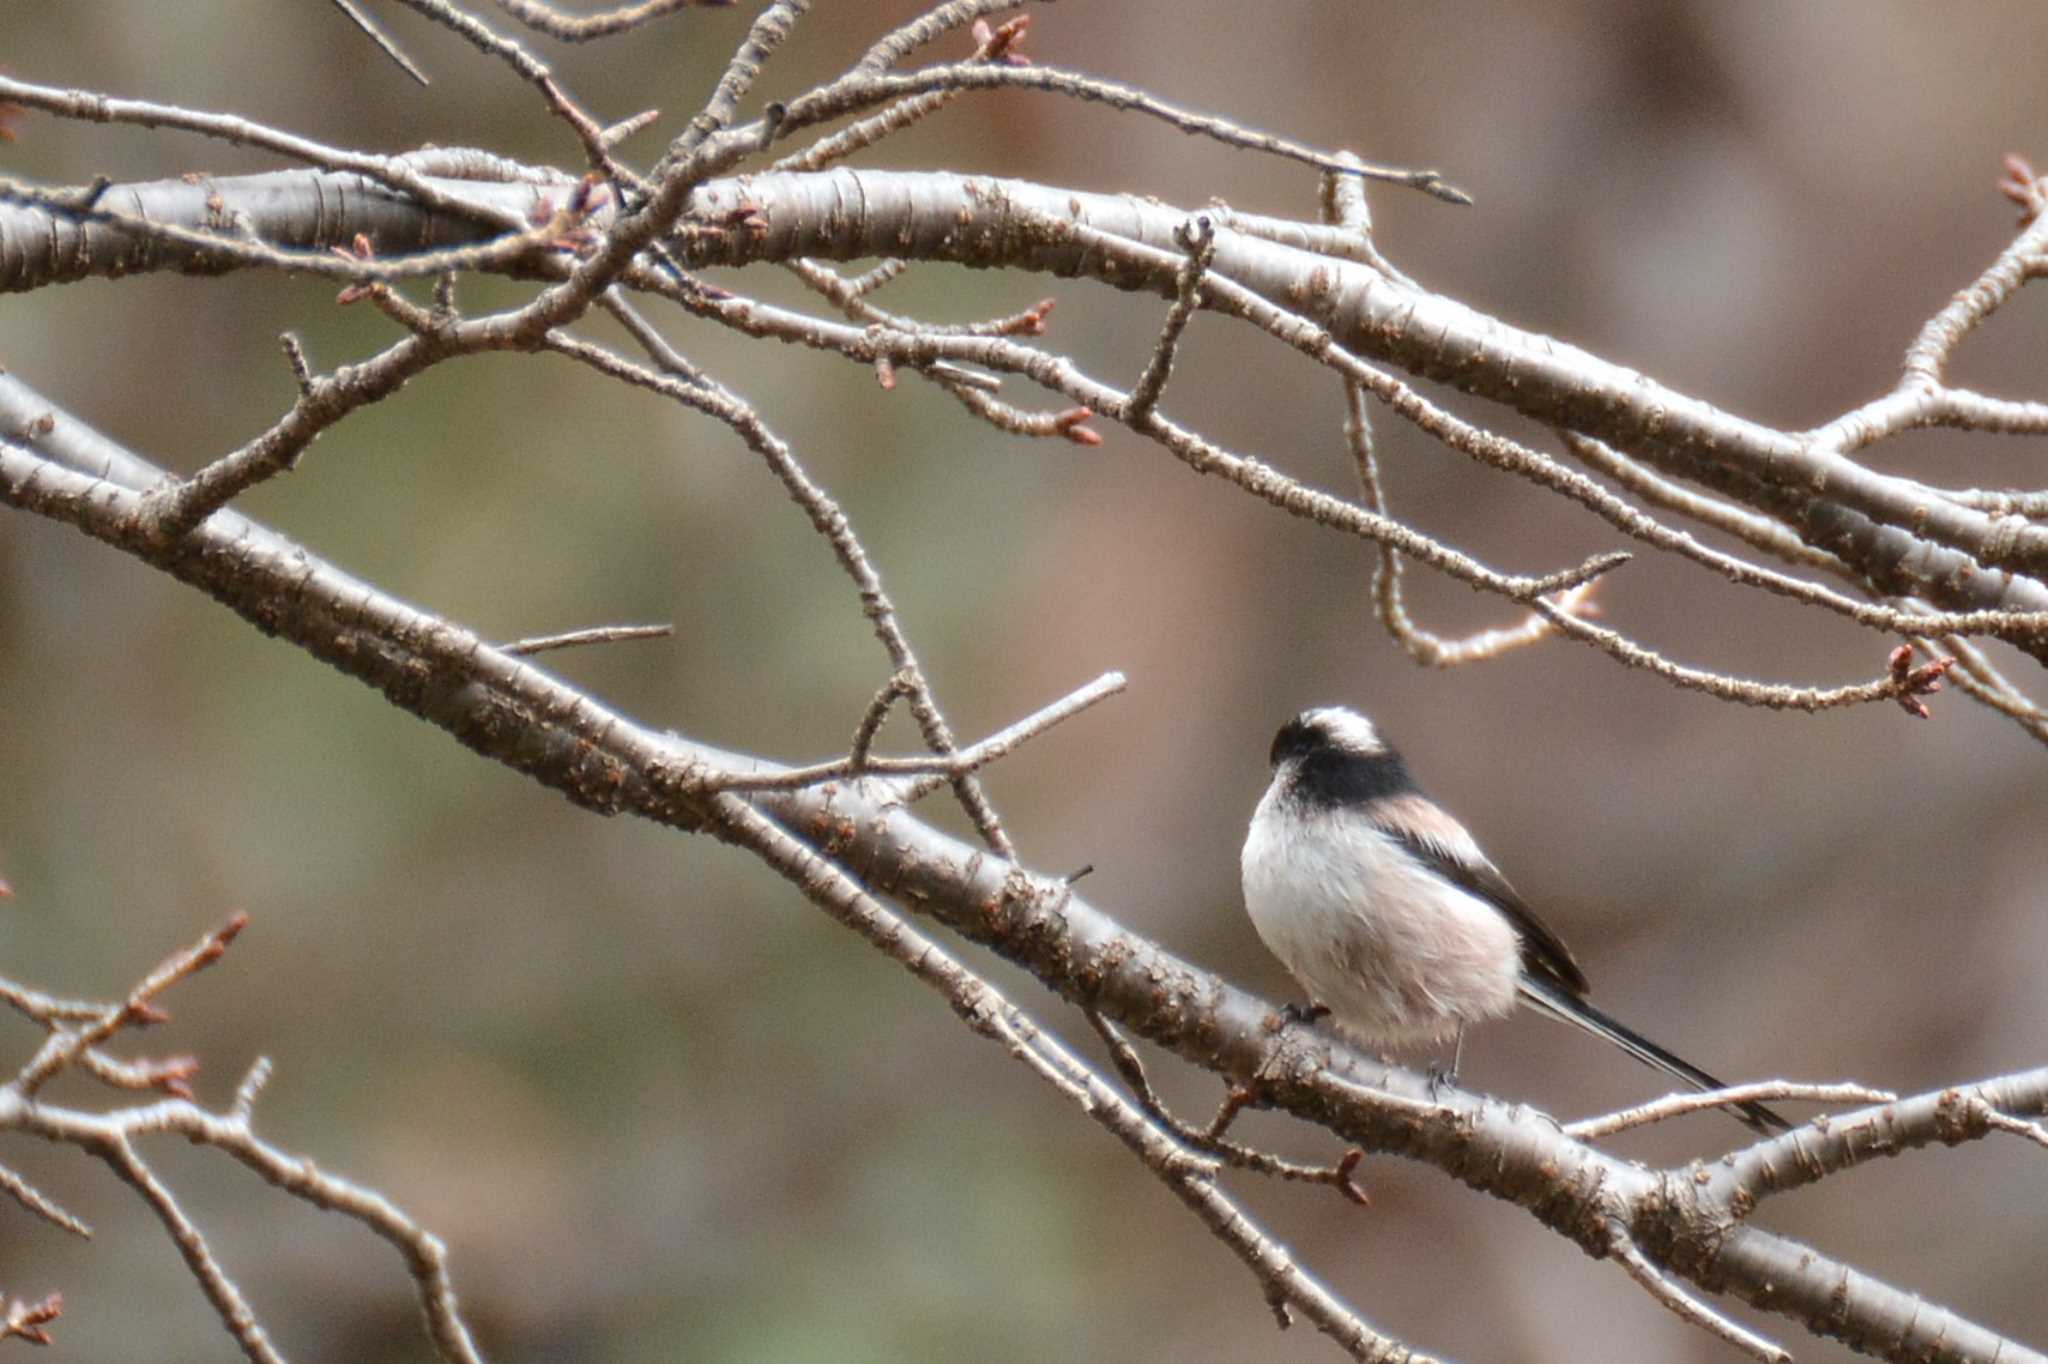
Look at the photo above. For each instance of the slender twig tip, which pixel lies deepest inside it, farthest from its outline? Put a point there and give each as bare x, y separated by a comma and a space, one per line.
1435, 185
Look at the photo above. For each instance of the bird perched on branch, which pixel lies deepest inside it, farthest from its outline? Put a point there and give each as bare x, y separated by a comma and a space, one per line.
1383, 906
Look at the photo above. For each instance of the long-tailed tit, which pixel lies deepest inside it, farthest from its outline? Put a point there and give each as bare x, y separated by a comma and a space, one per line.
1384, 907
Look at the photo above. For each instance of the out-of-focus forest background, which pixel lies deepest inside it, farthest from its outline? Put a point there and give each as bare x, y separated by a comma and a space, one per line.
658, 1105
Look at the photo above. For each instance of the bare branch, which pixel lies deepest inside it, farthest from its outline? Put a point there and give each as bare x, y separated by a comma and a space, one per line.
1781, 1275
997, 45
576, 639
26, 1320
41, 1204
1938, 567
894, 690
1982, 681
928, 28
1706, 1101
767, 34
1685, 1305
582, 28
855, 92
936, 771
1423, 646
111, 1137
387, 170
849, 296
599, 758
376, 33
830, 522
1942, 1117
1886, 524
531, 70
1715, 513
984, 1009
1199, 239
1125, 1058
66, 1045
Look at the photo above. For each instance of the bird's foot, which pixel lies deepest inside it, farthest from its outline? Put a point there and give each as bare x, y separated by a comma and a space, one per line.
1441, 1077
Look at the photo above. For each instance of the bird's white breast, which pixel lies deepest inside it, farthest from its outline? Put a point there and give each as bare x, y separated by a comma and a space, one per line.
1396, 953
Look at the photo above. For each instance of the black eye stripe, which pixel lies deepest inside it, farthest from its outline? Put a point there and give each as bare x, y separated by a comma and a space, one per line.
1330, 777
1330, 768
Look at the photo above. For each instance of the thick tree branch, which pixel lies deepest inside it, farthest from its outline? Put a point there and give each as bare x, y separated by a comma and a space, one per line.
1901, 538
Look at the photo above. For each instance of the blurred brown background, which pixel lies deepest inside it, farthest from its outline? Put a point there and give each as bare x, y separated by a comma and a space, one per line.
659, 1106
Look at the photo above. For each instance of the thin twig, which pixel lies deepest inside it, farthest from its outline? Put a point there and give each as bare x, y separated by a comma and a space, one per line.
849, 296
376, 33
830, 521
928, 28
66, 1044
1981, 679
2009, 502
24, 1320
251, 1088
1198, 239
1125, 1058
1424, 646
894, 690
998, 45
935, 771
394, 171
1343, 205
1999, 1121
582, 28
221, 1290
602, 634
1678, 1105
764, 37
41, 1204
854, 92
535, 72
111, 1136
618, 132
1685, 1305
1753, 529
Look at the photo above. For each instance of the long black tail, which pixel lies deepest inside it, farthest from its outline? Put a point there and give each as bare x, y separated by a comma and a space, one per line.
1561, 1004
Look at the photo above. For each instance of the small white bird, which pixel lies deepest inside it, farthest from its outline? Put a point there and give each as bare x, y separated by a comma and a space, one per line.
1385, 908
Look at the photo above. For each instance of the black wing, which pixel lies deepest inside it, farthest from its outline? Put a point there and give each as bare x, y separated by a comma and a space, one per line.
1544, 954
1552, 981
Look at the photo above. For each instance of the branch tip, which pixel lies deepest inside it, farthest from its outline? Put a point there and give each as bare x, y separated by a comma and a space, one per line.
1002, 44
2023, 185
386, 44
1340, 1175
1912, 683
1070, 424
26, 1320
603, 634
1435, 185
626, 127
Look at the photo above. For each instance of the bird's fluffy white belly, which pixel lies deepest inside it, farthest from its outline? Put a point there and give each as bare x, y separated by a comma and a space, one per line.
1395, 952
